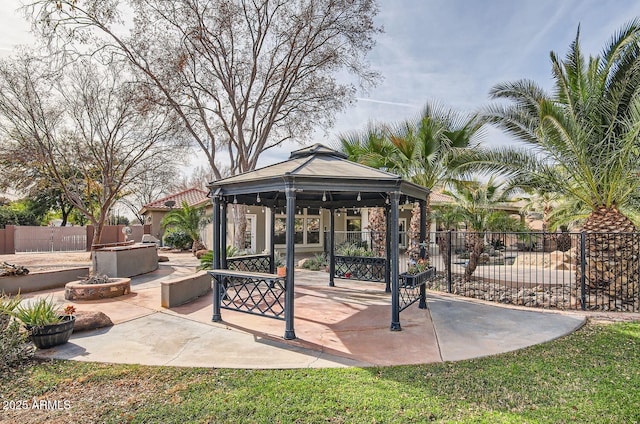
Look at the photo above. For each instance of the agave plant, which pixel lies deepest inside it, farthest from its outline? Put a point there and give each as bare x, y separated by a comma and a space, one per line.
38, 313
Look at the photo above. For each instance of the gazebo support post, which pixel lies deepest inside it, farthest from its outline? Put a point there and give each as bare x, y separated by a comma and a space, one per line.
272, 246
424, 243
223, 236
332, 247
394, 260
387, 248
423, 229
216, 259
289, 333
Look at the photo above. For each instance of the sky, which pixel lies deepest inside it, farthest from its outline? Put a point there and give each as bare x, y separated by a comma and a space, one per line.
447, 51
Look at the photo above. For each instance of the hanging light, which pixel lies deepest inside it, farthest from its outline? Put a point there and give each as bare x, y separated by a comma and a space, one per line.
235, 201
324, 196
386, 200
258, 198
359, 198
406, 201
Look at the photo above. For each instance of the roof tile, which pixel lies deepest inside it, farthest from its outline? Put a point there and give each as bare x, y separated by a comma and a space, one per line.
193, 196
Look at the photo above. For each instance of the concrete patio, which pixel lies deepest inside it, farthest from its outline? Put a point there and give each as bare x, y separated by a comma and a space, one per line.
347, 325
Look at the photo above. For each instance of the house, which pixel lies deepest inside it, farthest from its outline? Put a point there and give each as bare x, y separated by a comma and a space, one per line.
155, 211
351, 223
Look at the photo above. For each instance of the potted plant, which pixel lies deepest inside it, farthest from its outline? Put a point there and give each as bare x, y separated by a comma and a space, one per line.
281, 269
417, 273
46, 327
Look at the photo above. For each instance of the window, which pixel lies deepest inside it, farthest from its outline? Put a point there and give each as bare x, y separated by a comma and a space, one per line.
313, 230
354, 221
354, 224
306, 225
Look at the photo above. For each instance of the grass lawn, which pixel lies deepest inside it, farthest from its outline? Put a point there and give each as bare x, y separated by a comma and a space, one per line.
590, 376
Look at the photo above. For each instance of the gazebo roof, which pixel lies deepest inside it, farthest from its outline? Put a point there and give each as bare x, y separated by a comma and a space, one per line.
316, 172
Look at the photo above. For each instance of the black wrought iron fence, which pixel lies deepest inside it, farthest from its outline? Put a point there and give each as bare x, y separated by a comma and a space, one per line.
588, 271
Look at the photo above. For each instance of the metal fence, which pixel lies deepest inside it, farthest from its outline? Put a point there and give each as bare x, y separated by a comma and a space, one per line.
588, 271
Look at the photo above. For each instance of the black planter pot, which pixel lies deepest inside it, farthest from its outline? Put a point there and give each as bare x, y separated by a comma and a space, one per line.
52, 335
414, 280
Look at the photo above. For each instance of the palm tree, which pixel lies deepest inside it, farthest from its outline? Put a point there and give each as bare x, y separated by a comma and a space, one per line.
418, 149
188, 219
449, 217
477, 203
581, 141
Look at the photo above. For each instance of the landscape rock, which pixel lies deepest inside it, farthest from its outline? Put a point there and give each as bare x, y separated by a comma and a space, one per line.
90, 320
201, 253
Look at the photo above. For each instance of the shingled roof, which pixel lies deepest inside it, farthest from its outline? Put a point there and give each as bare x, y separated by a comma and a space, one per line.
316, 172
193, 197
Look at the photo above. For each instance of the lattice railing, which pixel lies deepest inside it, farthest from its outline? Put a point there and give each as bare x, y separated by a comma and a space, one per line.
252, 263
253, 294
361, 268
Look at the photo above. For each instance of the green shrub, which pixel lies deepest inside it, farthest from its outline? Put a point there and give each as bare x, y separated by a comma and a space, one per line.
206, 260
178, 240
354, 249
316, 263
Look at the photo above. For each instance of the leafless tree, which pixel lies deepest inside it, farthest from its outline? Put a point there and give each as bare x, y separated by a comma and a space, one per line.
155, 181
243, 75
88, 128
199, 178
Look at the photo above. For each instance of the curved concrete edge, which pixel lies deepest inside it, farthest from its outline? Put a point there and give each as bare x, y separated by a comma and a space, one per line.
467, 330
192, 344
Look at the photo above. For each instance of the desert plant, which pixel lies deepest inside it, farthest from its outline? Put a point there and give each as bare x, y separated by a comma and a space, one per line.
206, 260
38, 313
14, 346
178, 240
279, 260
8, 305
316, 263
354, 250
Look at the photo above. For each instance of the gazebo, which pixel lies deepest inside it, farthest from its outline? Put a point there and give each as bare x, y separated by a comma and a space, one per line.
312, 177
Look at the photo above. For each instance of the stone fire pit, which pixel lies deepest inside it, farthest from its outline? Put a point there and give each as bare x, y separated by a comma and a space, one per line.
79, 290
